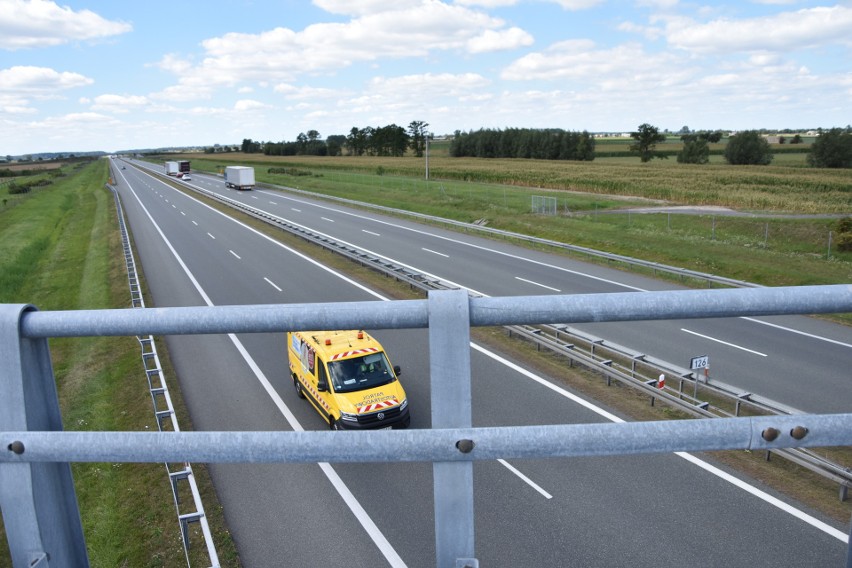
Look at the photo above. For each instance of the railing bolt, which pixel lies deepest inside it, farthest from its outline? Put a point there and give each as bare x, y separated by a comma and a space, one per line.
799, 432
770, 434
465, 446
17, 447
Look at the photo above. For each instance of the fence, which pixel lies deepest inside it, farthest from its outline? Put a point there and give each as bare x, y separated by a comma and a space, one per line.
36, 489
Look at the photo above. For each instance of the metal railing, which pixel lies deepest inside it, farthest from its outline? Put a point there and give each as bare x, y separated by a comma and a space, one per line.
164, 412
569, 343
36, 489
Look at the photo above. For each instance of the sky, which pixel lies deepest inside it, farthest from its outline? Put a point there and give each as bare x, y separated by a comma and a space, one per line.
96, 75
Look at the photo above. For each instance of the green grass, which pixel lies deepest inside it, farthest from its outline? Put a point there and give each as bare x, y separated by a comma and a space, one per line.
60, 250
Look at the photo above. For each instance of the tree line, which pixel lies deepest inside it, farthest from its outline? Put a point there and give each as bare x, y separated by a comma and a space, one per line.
391, 140
541, 144
831, 149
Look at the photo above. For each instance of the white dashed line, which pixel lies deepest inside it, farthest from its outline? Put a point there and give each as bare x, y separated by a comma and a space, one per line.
724, 342
235, 254
436, 252
536, 284
271, 283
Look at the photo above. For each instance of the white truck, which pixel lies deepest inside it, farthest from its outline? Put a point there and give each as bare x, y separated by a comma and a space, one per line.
239, 177
172, 168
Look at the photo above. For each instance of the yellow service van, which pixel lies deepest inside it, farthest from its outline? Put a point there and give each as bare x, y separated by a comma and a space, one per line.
348, 379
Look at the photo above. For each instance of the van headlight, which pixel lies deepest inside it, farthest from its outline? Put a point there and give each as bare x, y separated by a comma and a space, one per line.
349, 417
403, 405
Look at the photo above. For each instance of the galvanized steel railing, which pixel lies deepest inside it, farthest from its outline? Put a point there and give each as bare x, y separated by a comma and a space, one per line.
164, 412
37, 493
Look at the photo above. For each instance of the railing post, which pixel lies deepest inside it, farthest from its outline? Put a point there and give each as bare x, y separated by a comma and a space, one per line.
449, 364
38, 501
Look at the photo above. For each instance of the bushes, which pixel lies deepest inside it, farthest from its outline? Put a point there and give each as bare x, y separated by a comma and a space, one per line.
288, 171
844, 234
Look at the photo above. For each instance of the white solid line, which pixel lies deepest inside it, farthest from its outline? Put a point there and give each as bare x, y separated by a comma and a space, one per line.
271, 283
537, 284
525, 479
725, 343
436, 252
796, 331
211, 236
363, 517
370, 233
789, 509
235, 254
586, 404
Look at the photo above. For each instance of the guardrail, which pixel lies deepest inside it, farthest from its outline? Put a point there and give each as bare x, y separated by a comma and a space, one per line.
164, 412
568, 342
37, 493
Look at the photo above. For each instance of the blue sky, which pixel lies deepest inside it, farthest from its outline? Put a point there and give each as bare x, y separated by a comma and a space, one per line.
111, 76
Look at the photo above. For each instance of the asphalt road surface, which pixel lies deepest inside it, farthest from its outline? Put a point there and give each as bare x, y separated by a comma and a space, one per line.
670, 510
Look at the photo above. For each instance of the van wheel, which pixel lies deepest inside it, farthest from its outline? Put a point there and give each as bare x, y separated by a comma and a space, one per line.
334, 424
298, 387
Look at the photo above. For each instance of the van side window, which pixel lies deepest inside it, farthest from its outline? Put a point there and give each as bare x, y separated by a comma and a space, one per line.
322, 377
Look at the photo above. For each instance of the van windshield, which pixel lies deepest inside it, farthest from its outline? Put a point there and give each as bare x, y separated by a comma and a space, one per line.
360, 373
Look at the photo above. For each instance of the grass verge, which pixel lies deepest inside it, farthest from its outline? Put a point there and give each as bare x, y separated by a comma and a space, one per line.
61, 250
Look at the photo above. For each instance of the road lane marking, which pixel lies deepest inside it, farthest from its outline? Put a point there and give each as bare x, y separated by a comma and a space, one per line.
802, 333
194, 223
525, 479
537, 284
801, 515
211, 236
436, 252
296, 210
370, 233
271, 283
182, 213
235, 254
725, 343
367, 523
327, 219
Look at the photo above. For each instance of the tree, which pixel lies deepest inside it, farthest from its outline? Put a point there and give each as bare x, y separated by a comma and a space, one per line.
748, 148
831, 149
647, 138
418, 134
695, 150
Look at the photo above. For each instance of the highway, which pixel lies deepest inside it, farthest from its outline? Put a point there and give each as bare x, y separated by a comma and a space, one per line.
640, 511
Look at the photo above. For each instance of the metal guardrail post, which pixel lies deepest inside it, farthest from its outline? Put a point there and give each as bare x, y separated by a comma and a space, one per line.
449, 368
38, 501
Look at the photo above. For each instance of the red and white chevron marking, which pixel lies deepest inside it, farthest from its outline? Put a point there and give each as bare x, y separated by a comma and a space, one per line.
343, 354
378, 406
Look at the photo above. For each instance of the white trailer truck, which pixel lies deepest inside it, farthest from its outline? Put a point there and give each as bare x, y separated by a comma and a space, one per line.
239, 177
172, 168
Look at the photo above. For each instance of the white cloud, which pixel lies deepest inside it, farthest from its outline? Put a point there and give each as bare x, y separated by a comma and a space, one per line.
40, 23
576, 5
625, 66
364, 7
379, 31
39, 81
492, 40
781, 32
119, 103
249, 105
